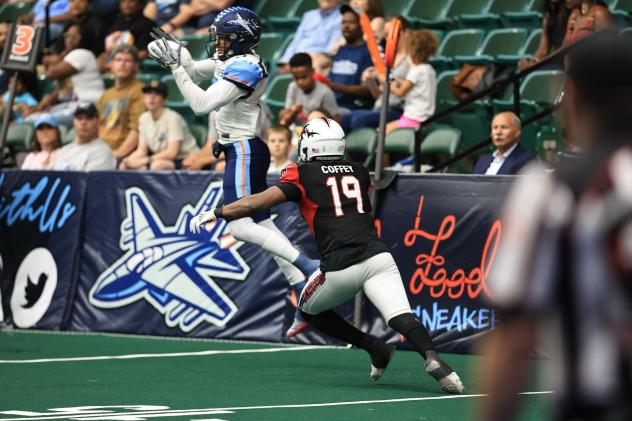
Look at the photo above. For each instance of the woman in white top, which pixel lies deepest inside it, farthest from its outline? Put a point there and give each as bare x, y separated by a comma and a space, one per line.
47, 144
77, 77
419, 88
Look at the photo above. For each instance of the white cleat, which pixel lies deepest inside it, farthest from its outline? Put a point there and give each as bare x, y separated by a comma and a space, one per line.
445, 376
297, 327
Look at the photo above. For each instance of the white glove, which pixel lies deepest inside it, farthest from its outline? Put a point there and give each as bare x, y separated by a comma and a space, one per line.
198, 221
165, 48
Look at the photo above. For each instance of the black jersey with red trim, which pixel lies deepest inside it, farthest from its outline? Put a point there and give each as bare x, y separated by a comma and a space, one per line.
334, 201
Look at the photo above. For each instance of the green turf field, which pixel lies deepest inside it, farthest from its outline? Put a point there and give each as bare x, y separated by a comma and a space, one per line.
50, 376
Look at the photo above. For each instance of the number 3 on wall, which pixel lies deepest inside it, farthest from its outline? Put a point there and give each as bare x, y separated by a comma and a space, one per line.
23, 40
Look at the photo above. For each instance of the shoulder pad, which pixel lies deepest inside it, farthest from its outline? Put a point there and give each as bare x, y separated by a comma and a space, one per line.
244, 72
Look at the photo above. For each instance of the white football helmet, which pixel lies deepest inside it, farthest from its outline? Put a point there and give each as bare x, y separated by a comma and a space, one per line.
321, 137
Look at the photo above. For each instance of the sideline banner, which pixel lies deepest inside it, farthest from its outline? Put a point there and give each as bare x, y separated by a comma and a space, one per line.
142, 271
444, 231
111, 251
39, 244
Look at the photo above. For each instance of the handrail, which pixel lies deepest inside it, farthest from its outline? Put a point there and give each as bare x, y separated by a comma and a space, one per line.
515, 79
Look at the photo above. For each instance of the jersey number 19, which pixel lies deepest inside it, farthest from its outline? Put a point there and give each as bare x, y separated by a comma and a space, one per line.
350, 187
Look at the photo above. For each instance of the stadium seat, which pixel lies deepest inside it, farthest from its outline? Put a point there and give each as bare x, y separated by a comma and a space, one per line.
279, 9
457, 42
440, 145
530, 17
497, 42
400, 141
196, 44
269, 46
462, 7
362, 143
474, 122
493, 18
528, 49
10, 12
20, 137
395, 7
276, 92
173, 93
200, 133
445, 98
427, 13
622, 11
626, 33
148, 77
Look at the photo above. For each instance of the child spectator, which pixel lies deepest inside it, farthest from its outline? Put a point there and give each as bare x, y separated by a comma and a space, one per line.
305, 94
47, 144
419, 89
279, 139
23, 103
164, 139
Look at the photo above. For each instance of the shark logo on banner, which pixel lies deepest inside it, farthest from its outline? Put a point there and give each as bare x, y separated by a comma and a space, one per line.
170, 267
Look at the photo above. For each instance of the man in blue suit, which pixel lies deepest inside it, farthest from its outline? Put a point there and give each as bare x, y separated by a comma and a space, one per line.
509, 157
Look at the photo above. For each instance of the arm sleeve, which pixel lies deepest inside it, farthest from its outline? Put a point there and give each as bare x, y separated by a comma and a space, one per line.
290, 184
197, 70
203, 102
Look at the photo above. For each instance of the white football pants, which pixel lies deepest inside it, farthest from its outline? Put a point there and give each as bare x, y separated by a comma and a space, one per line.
378, 276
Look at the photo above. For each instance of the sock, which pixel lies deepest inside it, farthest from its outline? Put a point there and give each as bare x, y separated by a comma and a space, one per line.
334, 325
306, 265
415, 332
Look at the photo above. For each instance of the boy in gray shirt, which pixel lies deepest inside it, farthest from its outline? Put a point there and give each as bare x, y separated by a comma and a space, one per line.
305, 94
87, 152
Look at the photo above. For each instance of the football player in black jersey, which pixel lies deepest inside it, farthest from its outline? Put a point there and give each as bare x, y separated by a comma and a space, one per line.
333, 197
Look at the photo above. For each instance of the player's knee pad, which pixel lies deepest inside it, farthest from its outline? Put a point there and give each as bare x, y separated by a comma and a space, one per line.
404, 323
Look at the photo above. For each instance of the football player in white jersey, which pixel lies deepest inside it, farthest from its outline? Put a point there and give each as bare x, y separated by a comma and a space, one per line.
239, 78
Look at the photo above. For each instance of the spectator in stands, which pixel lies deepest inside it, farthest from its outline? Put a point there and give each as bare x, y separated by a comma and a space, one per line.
129, 27
318, 31
121, 105
509, 157
77, 74
279, 140
161, 11
47, 144
204, 159
358, 119
419, 88
164, 138
351, 60
375, 12
87, 152
586, 18
23, 103
305, 94
59, 14
554, 22
81, 12
198, 13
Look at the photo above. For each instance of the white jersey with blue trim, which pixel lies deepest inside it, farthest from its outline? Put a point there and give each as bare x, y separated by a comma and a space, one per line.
241, 118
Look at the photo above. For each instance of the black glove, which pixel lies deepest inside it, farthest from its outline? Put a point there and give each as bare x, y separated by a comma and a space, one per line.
217, 149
